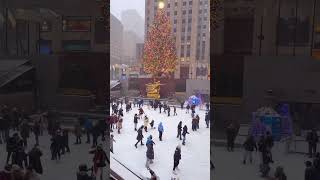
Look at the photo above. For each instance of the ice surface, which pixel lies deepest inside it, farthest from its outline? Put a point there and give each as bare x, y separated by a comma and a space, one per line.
194, 163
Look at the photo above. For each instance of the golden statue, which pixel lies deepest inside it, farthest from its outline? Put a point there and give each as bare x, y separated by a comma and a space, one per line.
153, 90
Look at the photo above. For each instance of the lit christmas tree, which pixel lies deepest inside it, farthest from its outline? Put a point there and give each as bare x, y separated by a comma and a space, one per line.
160, 49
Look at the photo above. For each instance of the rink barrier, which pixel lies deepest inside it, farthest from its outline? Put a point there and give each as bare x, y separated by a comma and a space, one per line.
127, 168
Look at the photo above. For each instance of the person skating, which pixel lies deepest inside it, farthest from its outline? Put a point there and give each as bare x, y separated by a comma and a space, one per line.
175, 111
78, 133
207, 119
150, 151
176, 158
146, 122
139, 137
184, 133
179, 130
120, 113
187, 109
55, 148
20, 156
119, 124
88, 127
312, 139
169, 109
160, 107
99, 161
249, 145
25, 132
279, 174
140, 113
35, 159
111, 142
266, 160
160, 129
152, 124
95, 135
182, 103
194, 124
135, 121
11, 145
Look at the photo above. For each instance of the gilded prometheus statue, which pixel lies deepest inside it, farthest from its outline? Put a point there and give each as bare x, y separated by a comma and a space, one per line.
153, 90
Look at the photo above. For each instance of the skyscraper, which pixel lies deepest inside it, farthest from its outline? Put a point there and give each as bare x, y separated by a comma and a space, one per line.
191, 29
116, 35
132, 21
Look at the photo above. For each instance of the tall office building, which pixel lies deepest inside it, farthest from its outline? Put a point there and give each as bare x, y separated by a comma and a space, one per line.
191, 29
116, 34
132, 21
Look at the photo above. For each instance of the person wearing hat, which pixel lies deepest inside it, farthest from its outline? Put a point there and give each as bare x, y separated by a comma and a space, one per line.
99, 159
176, 158
35, 159
135, 121
139, 137
6, 173
150, 151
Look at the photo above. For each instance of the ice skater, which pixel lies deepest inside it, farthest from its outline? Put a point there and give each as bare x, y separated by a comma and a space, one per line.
146, 122
188, 107
150, 151
135, 121
139, 137
175, 111
152, 124
160, 129
111, 142
179, 130
176, 158
184, 133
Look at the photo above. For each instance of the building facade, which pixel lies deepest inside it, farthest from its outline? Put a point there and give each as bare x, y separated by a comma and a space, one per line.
116, 38
132, 21
190, 27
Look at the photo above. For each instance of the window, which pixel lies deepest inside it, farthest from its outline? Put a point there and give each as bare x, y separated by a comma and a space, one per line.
183, 21
184, 3
175, 21
189, 20
205, 18
188, 51
205, 10
190, 2
45, 26
204, 26
189, 29
203, 34
176, 4
190, 11
188, 39
168, 13
76, 24
175, 12
184, 12
174, 29
200, 11
182, 38
200, 2
182, 51
183, 29
100, 32
168, 5
76, 45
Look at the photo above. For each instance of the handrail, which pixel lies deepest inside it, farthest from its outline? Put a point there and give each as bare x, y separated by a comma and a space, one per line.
128, 169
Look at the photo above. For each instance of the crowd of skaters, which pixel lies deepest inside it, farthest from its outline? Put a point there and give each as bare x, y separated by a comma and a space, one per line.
164, 108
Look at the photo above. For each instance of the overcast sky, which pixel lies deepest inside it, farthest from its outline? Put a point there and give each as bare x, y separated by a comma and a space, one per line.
117, 6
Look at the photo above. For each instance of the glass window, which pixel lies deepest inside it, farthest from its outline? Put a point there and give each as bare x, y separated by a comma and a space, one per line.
190, 11
176, 4
184, 3
200, 2
168, 13
183, 29
188, 51
200, 11
168, 5
175, 21
182, 38
190, 2
175, 12
188, 39
189, 20
189, 29
76, 45
205, 18
183, 21
184, 12
76, 24
204, 26
174, 29
46, 26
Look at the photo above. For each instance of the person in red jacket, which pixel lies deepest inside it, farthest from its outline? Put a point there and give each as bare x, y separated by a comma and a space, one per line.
99, 163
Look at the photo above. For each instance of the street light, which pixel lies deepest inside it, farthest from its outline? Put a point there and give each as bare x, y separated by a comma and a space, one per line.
161, 4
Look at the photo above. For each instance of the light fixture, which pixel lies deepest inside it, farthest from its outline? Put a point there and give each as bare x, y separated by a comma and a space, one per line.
161, 4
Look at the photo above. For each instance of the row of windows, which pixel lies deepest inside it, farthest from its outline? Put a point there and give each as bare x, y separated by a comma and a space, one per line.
183, 4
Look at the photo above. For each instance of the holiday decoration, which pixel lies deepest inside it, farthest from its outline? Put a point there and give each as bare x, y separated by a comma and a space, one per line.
153, 90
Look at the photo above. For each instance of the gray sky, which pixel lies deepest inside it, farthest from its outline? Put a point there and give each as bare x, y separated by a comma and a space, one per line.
117, 6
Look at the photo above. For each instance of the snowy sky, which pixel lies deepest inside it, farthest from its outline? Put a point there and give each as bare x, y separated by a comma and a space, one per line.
117, 6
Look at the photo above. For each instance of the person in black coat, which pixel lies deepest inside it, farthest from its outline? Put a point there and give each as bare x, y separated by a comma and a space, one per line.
309, 172
139, 137
25, 132
35, 159
20, 156
12, 145
182, 105
95, 135
36, 131
184, 133
168, 108
231, 131
312, 139
174, 111
207, 119
135, 121
160, 107
179, 130
55, 147
65, 141
249, 146
176, 157
188, 107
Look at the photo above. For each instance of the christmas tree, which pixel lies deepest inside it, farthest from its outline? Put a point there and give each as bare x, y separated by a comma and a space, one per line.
160, 49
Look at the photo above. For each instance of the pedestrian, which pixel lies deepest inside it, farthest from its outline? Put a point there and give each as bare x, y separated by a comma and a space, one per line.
279, 174
78, 133
150, 151
197, 121
169, 109
179, 130
160, 129
119, 124
139, 137
11, 146
36, 131
194, 124
309, 172
25, 132
6, 173
182, 103
230, 137
55, 147
176, 158
30, 174
99, 163
35, 159
152, 123
266, 160
65, 141
175, 111
95, 135
207, 106
111, 142
207, 119
140, 113
160, 107
184, 133
249, 145
135, 121
146, 122
20, 156
312, 139
261, 146
88, 127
